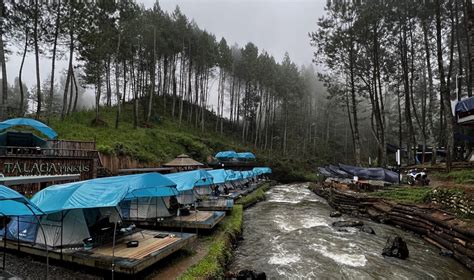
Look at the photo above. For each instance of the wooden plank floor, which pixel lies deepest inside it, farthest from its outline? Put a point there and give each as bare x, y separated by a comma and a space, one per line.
199, 216
127, 260
199, 219
147, 245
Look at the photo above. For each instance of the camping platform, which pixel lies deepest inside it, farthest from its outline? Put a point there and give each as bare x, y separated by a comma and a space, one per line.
153, 246
196, 219
220, 204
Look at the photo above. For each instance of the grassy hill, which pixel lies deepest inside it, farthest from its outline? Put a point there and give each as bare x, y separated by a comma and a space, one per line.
162, 140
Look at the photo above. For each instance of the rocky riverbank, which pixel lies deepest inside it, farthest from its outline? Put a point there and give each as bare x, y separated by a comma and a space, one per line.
453, 236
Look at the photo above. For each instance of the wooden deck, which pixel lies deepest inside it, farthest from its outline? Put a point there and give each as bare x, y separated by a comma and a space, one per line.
196, 219
150, 250
220, 204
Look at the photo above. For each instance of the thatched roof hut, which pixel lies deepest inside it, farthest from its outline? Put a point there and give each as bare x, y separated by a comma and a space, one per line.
184, 162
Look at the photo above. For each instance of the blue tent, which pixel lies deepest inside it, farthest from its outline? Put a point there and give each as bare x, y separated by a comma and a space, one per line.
262, 170
14, 204
233, 175
103, 192
41, 127
186, 181
246, 155
226, 155
247, 174
219, 176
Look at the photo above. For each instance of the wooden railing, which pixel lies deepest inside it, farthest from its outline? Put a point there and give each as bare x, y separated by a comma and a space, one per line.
46, 152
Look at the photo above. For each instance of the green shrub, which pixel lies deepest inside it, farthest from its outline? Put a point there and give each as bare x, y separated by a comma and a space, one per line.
409, 195
213, 265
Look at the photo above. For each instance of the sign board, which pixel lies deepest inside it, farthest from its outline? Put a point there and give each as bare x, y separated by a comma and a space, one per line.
29, 166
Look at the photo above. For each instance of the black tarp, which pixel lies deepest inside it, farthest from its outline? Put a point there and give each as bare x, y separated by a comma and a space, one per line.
370, 173
465, 105
324, 172
339, 172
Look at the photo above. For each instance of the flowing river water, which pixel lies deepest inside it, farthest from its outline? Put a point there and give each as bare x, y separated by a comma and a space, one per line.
289, 236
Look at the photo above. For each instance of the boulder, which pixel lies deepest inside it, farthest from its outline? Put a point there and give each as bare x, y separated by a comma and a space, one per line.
367, 229
446, 253
395, 247
335, 214
247, 274
347, 224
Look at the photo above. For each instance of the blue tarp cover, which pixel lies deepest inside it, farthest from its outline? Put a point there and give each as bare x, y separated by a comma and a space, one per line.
103, 192
41, 127
219, 176
233, 175
262, 170
247, 174
14, 204
246, 155
465, 105
186, 181
226, 155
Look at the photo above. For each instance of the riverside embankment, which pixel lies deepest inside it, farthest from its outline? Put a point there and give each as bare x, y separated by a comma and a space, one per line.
290, 236
437, 227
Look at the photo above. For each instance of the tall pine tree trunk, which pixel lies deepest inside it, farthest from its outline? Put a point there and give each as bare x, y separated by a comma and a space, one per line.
53, 64
38, 78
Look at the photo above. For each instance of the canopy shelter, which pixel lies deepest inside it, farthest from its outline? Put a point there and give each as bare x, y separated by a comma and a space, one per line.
219, 176
13, 203
37, 125
183, 162
262, 170
187, 181
245, 156
80, 210
234, 175
226, 155
464, 111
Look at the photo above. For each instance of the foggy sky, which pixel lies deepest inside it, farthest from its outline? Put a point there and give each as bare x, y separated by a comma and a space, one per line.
273, 25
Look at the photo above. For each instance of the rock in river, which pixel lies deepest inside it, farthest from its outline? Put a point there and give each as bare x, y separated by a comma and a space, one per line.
347, 224
395, 247
446, 253
335, 214
247, 274
367, 229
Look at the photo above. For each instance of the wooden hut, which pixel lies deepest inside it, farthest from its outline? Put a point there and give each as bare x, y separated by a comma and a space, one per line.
184, 163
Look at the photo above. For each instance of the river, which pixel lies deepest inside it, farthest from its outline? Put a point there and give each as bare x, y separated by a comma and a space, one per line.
289, 236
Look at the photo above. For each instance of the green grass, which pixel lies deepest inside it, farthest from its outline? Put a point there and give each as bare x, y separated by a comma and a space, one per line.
408, 195
163, 139
212, 266
254, 197
465, 176
157, 142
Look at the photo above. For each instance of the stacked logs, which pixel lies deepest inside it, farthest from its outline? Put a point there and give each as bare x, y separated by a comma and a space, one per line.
437, 227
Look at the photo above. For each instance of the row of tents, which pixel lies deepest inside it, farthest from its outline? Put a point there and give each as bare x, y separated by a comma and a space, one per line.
73, 212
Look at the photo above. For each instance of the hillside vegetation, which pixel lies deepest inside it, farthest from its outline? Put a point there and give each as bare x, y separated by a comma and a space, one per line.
162, 140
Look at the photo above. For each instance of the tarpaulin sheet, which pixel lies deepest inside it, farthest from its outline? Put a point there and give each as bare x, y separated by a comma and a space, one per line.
226, 154
41, 127
465, 105
186, 181
371, 173
13, 203
103, 192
